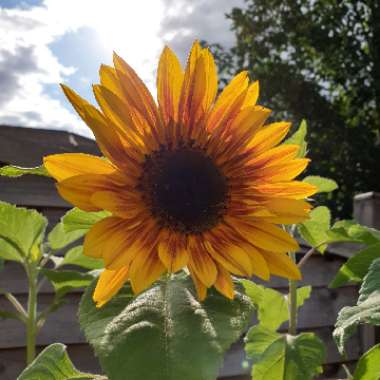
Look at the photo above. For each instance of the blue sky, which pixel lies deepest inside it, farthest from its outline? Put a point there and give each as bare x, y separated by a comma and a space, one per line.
45, 42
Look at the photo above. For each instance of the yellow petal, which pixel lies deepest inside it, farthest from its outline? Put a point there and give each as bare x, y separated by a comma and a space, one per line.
107, 238
231, 257
252, 95
224, 284
106, 137
78, 190
283, 172
259, 265
109, 283
287, 211
226, 105
123, 204
135, 91
266, 236
202, 263
169, 83
146, 268
281, 265
118, 112
188, 82
200, 288
291, 190
269, 136
275, 156
66, 165
109, 79
172, 253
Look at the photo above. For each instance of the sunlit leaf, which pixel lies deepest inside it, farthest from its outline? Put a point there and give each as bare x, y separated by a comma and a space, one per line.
21, 231
351, 231
75, 256
64, 281
368, 367
59, 238
272, 306
314, 230
164, 333
356, 267
367, 309
299, 138
77, 219
324, 185
16, 171
53, 363
286, 357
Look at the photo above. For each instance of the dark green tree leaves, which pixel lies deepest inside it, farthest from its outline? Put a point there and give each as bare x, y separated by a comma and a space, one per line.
164, 333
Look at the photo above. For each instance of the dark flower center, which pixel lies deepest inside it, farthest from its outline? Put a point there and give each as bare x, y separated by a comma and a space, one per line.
184, 189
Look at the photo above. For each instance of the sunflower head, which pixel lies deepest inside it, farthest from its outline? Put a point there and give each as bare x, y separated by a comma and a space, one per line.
193, 180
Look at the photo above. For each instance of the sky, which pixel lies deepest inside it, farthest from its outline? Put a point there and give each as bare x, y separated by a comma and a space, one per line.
47, 42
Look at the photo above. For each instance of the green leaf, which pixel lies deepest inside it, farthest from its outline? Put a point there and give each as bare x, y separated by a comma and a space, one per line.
257, 340
367, 309
59, 238
64, 281
165, 326
10, 315
287, 357
53, 363
272, 306
314, 230
22, 229
77, 219
16, 171
351, 231
299, 138
324, 185
368, 366
75, 256
356, 267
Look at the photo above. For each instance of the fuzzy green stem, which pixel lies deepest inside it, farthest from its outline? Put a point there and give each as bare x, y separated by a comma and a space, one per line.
31, 325
292, 302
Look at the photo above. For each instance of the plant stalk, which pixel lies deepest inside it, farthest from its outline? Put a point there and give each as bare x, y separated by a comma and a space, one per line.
292, 302
31, 325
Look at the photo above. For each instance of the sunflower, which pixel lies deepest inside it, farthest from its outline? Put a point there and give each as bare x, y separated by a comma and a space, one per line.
196, 181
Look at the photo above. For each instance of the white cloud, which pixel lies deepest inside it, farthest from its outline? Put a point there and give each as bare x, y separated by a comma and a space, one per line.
27, 65
136, 30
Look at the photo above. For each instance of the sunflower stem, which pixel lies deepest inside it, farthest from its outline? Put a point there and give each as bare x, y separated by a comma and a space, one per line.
31, 323
292, 302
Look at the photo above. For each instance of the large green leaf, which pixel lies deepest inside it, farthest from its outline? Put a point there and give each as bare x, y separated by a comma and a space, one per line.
164, 333
299, 138
9, 251
351, 231
77, 219
16, 171
368, 367
272, 306
53, 363
324, 185
59, 238
314, 230
22, 229
64, 281
75, 256
356, 267
286, 357
367, 309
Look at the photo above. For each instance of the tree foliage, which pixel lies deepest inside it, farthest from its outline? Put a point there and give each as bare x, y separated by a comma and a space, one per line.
317, 60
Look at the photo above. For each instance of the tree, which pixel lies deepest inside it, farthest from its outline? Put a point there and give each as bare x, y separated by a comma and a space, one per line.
318, 60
